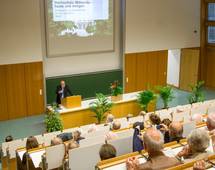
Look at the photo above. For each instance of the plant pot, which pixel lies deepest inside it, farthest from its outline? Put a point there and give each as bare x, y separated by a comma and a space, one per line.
116, 98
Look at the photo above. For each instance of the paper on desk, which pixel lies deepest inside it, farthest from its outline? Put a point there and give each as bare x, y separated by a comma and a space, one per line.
123, 165
188, 128
21, 153
37, 157
172, 152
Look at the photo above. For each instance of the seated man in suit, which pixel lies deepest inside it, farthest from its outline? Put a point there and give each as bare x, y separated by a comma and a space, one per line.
62, 91
153, 144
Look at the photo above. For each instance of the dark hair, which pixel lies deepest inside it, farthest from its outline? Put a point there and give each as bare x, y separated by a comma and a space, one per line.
107, 151
140, 124
166, 122
31, 143
155, 119
8, 138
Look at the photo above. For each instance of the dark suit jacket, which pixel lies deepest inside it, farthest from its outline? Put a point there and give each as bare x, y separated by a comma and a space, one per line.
67, 92
159, 162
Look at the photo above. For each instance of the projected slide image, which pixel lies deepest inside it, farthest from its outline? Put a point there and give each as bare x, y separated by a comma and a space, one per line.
80, 18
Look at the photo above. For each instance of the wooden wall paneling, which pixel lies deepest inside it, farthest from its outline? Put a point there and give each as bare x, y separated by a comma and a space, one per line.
162, 67
210, 69
141, 74
16, 92
130, 72
152, 69
189, 68
3, 93
34, 88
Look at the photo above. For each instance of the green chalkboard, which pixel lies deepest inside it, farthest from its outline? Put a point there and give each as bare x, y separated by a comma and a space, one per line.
84, 84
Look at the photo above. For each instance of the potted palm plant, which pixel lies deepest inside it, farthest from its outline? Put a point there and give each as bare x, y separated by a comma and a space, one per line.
144, 98
166, 94
197, 94
52, 120
101, 106
116, 91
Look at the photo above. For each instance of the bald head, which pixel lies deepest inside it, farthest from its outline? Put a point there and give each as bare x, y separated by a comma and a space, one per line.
116, 125
56, 141
175, 130
62, 83
153, 140
211, 121
197, 118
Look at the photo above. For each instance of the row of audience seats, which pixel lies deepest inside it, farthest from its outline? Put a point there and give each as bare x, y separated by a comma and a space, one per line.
89, 147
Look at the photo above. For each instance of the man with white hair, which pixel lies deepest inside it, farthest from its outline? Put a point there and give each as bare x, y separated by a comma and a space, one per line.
211, 122
153, 144
198, 141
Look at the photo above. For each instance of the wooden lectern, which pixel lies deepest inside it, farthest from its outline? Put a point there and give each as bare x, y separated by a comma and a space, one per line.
71, 102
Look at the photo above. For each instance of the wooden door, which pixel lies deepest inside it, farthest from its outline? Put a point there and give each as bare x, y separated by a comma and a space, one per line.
189, 68
210, 68
3, 93
130, 73
162, 68
141, 73
16, 91
34, 88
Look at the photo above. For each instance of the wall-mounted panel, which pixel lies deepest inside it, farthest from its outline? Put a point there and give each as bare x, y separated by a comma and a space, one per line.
3, 94
16, 91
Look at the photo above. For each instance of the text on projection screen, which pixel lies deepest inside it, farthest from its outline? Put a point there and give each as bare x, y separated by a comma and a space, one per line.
80, 22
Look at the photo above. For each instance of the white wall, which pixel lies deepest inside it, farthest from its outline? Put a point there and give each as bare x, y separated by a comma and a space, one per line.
22, 40
173, 68
88, 63
161, 24
20, 31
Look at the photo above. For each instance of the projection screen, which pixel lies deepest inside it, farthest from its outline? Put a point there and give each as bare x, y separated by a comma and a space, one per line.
79, 27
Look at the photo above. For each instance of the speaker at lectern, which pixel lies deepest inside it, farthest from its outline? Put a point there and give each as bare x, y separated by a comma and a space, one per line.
71, 102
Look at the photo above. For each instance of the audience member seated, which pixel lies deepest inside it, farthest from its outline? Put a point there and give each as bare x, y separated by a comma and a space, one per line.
137, 137
142, 113
153, 144
175, 132
93, 128
8, 138
211, 123
199, 165
129, 116
71, 145
155, 120
116, 125
198, 141
166, 122
109, 118
77, 136
56, 141
110, 136
107, 151
31, 143
197, 118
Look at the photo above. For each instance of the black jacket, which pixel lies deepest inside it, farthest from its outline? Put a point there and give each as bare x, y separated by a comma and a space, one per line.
67, 92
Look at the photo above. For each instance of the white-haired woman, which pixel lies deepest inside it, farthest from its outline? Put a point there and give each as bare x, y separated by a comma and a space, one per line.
198, 142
